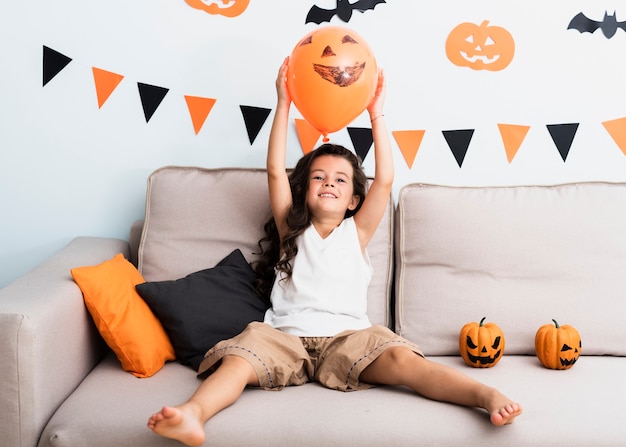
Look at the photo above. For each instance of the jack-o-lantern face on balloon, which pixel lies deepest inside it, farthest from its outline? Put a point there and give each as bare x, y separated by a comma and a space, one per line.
481, 345
481, 47
332, 77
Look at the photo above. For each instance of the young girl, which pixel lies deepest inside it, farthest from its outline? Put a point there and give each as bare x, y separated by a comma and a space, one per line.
317, 327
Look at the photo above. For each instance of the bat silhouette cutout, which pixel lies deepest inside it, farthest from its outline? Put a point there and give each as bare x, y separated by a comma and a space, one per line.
608, 25
343, 10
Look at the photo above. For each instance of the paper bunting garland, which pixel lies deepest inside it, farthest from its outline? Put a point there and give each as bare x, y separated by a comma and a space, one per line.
151, 98
106, 82
362, 140
409, 143
563, 137
617, 130
254, 118
199, 109
512, 137
361, 137
458, 141
53, 63
307, 134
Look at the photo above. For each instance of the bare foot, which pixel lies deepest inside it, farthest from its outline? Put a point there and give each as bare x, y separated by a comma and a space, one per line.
180, 423
501, 410
506, 414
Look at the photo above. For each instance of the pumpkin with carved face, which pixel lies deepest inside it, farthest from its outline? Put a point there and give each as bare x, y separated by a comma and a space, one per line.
226, 8
332, 77
557, 347
480, 47
481, 344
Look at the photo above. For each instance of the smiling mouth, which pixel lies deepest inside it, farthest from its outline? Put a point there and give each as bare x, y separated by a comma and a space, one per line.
342, 77
566, 362
483, 360
328, 195
478, 58
219, 5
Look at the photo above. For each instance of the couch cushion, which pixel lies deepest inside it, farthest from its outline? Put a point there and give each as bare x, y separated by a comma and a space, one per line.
196, 216
570, 408
205, 307
519, 256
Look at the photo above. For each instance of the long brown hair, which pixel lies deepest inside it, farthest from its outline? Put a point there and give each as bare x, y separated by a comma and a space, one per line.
299, 218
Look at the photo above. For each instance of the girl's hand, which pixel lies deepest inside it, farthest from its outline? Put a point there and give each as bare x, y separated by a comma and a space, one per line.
375, 107
281, 83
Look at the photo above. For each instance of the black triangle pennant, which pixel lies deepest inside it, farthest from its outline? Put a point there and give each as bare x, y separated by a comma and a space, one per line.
563, 137
53, 63
362, 140
458, 141
151, 97
254, 118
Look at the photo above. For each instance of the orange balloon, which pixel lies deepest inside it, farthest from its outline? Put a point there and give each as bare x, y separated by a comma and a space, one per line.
332, 77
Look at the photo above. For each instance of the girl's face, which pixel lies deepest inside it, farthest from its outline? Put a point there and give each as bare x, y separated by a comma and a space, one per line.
331, 188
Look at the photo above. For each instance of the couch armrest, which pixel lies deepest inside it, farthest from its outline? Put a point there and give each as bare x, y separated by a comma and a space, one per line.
48, 342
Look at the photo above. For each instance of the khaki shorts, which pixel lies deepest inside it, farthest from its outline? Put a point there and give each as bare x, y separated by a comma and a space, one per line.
282, 359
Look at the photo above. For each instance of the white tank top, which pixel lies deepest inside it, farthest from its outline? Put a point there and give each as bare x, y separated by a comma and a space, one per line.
327, 292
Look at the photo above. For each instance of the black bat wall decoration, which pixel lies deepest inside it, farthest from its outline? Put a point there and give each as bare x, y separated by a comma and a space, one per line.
608, 25
343, 10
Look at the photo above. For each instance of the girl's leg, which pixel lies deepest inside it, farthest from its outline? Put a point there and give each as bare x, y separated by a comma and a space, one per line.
401, 366
185, 422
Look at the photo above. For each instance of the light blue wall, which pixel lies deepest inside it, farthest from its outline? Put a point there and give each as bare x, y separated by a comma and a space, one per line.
68, 168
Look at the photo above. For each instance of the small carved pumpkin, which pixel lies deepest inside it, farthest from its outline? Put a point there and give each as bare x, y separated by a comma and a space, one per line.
557, 347
226, 8
480, 47
481, 345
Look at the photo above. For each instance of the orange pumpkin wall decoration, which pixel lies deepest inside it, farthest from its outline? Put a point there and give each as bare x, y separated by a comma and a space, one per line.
481, 344
332, 77
227, 8
558, 347
480, 47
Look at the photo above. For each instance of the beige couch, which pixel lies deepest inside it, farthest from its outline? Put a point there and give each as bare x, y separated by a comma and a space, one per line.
519, 256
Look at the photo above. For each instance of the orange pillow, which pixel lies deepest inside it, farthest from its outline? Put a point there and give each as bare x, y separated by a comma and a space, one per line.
123, 318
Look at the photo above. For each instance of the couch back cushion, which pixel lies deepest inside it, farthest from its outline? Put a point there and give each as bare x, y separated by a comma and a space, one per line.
195, 217
520, 256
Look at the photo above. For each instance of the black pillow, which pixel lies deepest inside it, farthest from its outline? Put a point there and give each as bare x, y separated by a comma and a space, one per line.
205, 307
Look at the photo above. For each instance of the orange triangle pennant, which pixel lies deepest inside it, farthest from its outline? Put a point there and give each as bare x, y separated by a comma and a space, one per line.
409, 143
106, 82
512, 137
199, 109
307, 134
617, 130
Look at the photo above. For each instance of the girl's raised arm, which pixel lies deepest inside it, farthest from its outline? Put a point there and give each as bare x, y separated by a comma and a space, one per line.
278, 182
373, 208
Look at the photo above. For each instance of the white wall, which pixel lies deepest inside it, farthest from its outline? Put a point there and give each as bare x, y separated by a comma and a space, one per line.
68, 168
